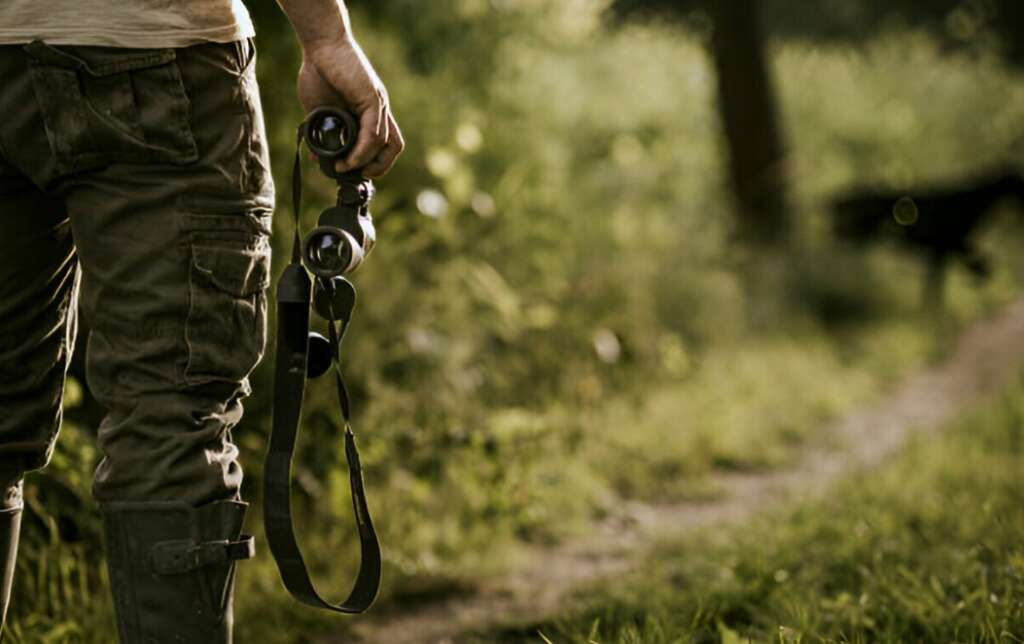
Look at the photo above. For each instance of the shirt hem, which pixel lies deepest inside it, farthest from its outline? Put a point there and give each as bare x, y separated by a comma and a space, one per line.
131, 39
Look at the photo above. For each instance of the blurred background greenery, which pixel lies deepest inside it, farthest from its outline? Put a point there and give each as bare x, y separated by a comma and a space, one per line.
605, 268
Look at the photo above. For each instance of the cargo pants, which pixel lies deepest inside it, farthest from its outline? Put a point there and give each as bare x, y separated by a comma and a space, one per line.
137, 184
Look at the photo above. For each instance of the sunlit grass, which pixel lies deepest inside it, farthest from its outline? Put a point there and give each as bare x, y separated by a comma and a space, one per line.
926, 549
583, 198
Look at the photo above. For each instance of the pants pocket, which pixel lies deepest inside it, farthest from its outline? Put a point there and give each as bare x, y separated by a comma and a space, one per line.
229, 272
106, 105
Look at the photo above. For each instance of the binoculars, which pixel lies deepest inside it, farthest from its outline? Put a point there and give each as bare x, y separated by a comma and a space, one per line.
341, 241
344, 235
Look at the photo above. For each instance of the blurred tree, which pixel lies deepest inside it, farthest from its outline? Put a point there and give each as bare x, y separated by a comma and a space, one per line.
963, 23
748, 110
747, 102
749, 115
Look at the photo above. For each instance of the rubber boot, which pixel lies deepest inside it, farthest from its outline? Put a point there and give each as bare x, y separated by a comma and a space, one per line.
10, 528
172, 569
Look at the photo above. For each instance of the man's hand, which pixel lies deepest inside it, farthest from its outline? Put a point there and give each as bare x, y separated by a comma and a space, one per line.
339, 74
336, 72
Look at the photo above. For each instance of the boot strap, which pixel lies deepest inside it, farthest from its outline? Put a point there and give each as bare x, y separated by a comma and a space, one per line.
185, 555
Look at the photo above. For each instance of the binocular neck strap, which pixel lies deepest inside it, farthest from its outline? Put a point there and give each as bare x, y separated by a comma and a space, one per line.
294, 291
297, 198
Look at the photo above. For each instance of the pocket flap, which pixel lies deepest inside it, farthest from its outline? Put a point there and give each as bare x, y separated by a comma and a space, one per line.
240, 271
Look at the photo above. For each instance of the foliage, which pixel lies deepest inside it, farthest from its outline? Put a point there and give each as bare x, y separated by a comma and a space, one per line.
60, 585
928, 549
963, 24
556, 317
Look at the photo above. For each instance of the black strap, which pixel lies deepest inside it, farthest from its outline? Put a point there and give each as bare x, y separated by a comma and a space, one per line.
297, 198
293, 311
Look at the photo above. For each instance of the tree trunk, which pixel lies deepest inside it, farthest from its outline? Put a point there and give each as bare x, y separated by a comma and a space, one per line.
750, 119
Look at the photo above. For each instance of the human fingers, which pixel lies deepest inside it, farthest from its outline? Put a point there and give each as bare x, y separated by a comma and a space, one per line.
373, 136
385, 159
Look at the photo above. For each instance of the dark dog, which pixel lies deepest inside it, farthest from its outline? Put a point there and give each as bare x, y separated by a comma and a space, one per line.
938, 223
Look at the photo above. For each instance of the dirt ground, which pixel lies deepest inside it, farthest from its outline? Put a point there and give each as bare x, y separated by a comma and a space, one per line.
985, 359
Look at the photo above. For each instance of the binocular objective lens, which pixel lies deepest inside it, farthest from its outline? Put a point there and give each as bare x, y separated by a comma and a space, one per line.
328, 134
329, 253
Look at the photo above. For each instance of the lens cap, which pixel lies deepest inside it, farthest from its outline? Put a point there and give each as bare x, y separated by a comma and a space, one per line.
341, 301
319, 360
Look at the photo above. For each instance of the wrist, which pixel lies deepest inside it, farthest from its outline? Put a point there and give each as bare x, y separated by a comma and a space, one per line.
314, 47
318, 24
329, 48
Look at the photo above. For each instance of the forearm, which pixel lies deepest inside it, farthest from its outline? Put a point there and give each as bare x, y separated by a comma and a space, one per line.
317, 22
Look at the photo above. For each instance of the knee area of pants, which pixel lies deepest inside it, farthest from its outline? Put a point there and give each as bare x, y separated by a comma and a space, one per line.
188, 404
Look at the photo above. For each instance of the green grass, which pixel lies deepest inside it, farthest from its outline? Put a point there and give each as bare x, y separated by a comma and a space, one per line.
485, 416
927, 549
534, 476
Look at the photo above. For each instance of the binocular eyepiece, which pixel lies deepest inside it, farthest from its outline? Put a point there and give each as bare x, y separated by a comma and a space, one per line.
345, 234
329, 251
330, 133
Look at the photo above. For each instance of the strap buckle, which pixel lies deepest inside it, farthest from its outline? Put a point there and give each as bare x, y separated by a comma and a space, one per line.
184, 555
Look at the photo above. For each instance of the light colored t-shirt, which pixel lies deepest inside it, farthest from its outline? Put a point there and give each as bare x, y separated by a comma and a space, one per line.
123, 23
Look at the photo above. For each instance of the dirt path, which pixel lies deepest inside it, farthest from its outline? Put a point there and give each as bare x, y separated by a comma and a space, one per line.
984, 360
